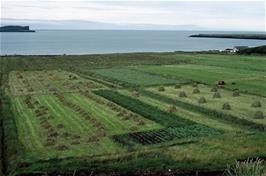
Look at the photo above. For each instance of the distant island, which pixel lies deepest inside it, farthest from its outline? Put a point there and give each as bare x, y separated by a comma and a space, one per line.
232, 36
15, 29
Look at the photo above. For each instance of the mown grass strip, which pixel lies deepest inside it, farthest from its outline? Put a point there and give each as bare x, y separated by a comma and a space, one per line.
205, 111
150, 112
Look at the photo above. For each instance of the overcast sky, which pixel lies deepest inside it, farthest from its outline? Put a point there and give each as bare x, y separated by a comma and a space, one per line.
222, 15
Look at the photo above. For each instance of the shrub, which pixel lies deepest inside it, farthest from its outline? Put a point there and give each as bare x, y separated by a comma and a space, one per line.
226, 106
196, 91
202, 100
216, 95
161, 89
246, 168
259, 115
182, 94
256, 104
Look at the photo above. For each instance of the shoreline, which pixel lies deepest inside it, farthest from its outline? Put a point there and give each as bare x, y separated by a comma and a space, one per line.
232, 36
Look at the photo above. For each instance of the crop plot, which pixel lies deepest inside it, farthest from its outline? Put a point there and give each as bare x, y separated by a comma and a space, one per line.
245, 79
43, 82
176, 127
133, 77
182, 134
54, 122
241, 105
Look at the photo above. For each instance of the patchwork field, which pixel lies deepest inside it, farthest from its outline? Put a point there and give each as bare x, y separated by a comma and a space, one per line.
154, 113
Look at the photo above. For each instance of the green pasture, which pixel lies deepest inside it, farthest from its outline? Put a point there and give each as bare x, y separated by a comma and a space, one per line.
133, 77
240, 106
62, 114
245, 80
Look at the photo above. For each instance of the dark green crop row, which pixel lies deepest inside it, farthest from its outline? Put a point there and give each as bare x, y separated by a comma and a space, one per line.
150, 112
207, 112
165, 135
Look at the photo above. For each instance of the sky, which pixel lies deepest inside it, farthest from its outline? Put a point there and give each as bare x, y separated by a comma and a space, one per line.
87, 14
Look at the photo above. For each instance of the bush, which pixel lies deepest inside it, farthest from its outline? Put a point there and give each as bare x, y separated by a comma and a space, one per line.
246, 168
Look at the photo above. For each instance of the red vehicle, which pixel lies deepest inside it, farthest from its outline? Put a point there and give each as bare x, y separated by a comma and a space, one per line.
221, 82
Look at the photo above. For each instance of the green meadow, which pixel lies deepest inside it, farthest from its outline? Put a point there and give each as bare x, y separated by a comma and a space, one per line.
131, 113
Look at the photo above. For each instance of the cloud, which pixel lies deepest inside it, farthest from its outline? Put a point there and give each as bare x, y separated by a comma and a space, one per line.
236, 15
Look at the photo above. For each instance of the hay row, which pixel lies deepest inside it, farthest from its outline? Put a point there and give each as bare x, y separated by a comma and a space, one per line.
92, 120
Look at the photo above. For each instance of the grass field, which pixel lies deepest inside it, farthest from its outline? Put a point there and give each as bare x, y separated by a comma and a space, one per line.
240, 106
122, 113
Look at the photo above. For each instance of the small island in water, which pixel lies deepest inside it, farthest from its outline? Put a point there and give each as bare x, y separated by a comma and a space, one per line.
232, 36
15, 29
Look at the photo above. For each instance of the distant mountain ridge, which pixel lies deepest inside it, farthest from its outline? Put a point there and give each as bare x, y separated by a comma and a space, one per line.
15, 28
92, 25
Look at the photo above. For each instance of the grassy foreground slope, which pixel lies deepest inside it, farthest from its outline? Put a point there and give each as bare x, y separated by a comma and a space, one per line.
105, 113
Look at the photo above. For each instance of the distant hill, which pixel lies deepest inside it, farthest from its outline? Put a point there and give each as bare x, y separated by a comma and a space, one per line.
15, 29
254, 50
232, 36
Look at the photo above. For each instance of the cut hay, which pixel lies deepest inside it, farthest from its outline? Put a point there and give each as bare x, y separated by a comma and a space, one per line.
256, 104
61, 147
259, 115
75, 142
182, 94
214, 89
53, 134
134, 128
226, 106
236, 93
194, 85
161, 89
135, 93
196, 91
216, 95
171, 109
66, 134
60, 126
177, 86
202, 100
141, 122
